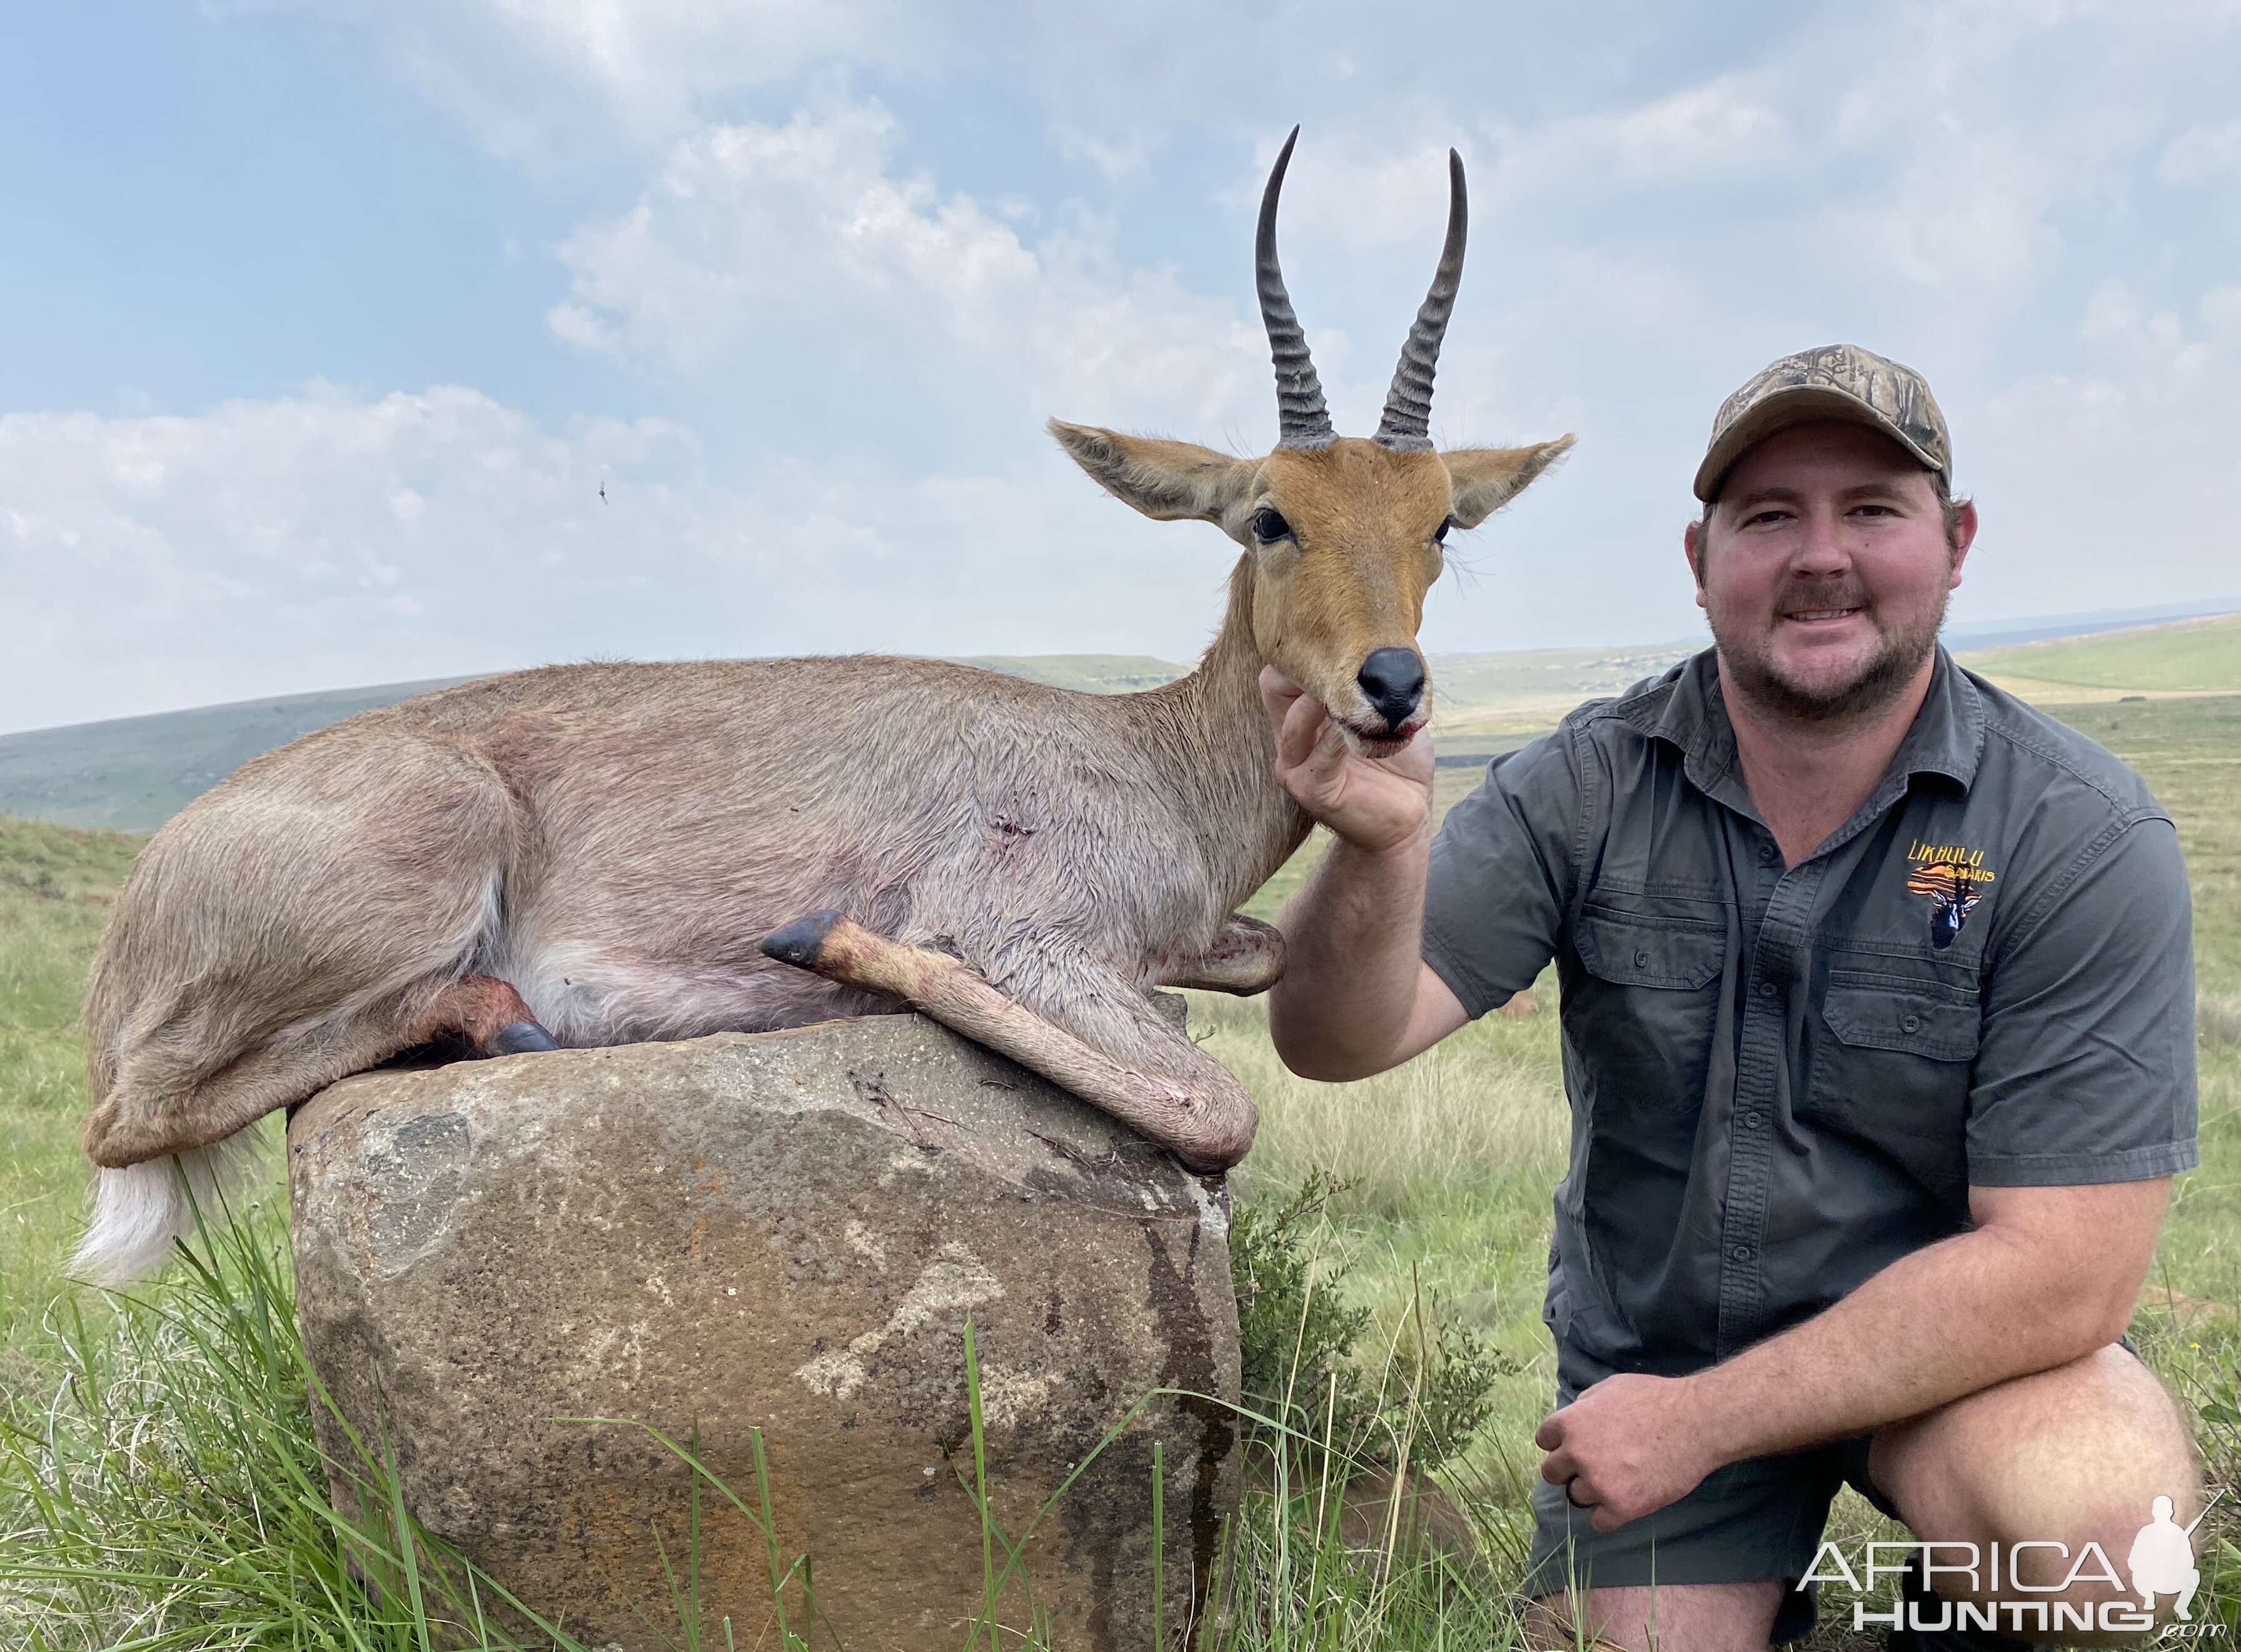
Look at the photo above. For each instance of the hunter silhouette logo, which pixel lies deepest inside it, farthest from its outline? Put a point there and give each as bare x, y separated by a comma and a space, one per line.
2162, 1561
1953, 877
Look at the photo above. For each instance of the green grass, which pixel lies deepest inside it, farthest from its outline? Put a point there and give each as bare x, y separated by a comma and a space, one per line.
2194, 656
183, 1423
55, 885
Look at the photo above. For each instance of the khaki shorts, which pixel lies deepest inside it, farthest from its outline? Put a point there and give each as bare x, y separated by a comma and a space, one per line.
1747, 1522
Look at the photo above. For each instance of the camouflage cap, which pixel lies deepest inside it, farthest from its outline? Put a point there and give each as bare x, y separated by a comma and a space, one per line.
1835, 381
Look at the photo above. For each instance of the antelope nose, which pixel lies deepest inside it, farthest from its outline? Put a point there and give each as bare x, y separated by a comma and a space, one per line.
1393, 680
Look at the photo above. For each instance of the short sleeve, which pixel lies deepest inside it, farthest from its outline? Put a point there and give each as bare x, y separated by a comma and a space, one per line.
1500, 875
2085, 1072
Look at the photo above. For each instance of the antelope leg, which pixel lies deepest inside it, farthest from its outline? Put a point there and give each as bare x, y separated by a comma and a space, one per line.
1206, 1120
1246, 958
488, 1013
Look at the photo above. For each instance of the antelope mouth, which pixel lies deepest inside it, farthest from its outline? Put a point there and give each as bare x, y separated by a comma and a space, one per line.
1380, 741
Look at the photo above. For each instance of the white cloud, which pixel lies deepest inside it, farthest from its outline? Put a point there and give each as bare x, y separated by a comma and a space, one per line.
1967, 222
2120, 481
268, 546
323, 540
795, 255
553, 85
1722, 129
2203, 153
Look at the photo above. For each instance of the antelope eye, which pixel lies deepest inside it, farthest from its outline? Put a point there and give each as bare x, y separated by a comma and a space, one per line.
1440, 533
1268, 526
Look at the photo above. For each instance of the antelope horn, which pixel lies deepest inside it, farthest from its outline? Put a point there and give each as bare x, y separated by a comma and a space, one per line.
1406, 424
1301, 419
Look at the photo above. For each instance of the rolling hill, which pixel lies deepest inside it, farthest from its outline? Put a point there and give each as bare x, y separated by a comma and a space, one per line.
2190, 656
133, 773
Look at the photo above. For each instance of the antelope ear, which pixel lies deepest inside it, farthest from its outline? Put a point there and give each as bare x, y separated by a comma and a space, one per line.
1486, 478
1167, 481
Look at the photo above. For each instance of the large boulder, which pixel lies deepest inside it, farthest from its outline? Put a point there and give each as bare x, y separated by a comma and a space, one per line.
785, 1231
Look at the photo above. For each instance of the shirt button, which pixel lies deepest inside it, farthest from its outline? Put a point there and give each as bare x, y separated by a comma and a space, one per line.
1752, 1121
1766, 989
1766, 852
1911, 1023
1642, 961
1740, 1254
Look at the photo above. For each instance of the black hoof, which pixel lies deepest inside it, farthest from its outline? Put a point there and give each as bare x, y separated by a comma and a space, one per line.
801, 941
523, 1038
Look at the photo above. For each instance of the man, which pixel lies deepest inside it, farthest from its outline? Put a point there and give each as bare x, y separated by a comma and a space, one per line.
1878, 1034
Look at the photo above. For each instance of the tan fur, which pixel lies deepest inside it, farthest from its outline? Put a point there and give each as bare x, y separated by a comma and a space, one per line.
614, 841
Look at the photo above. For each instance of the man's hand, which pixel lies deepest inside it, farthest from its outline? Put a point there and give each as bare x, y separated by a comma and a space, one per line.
1626, 1446
1374, 803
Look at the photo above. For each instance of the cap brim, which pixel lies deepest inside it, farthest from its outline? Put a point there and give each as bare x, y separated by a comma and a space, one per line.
1803, 404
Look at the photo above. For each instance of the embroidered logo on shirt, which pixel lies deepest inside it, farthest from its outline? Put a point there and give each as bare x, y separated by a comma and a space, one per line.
1951, 877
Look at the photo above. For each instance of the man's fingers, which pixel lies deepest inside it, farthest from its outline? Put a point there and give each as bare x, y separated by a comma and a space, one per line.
1277, 694
1305, 730
1550, 1433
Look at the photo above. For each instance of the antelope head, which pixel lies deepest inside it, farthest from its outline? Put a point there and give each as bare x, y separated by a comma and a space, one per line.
1345, 534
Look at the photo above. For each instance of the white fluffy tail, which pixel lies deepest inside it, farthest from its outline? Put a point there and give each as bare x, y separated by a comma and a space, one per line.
141, 1211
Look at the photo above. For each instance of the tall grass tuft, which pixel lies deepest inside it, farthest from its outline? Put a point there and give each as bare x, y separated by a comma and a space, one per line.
164, 1493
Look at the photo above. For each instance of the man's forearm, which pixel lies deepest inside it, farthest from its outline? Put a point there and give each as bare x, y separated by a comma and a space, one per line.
2048, 1275
1944, 1321
1352, 939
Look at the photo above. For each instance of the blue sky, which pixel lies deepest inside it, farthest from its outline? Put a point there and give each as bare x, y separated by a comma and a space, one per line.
328, 322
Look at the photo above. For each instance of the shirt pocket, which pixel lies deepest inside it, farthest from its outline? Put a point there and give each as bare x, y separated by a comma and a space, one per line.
1926, 1018
1893, 1072
1641, 1015
1633, 949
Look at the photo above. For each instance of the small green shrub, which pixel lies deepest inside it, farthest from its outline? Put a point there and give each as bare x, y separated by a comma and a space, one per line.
1303, 1362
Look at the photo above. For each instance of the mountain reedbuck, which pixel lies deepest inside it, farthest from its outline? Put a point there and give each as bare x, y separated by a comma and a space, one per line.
603, 853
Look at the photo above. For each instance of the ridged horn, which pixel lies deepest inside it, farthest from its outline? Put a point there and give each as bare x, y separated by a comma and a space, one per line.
1301, 419
1406, 424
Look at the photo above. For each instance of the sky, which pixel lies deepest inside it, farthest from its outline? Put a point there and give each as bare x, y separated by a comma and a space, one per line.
326, 324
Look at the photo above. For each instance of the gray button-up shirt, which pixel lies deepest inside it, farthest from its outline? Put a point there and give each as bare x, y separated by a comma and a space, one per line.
1784, 1077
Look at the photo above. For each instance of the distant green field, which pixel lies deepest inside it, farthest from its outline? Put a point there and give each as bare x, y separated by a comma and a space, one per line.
2194, 656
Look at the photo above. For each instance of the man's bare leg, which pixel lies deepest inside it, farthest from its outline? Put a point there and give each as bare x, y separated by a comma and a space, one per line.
2072, 1456
1672, 1617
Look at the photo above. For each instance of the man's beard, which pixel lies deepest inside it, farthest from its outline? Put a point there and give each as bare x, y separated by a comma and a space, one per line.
1871, 689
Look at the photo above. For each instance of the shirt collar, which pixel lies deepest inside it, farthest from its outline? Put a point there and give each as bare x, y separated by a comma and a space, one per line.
1947, 736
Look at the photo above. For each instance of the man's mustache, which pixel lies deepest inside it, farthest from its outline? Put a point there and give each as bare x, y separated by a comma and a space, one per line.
1819, 598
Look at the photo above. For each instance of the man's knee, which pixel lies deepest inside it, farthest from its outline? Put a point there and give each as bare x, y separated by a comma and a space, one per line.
2061, 1470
